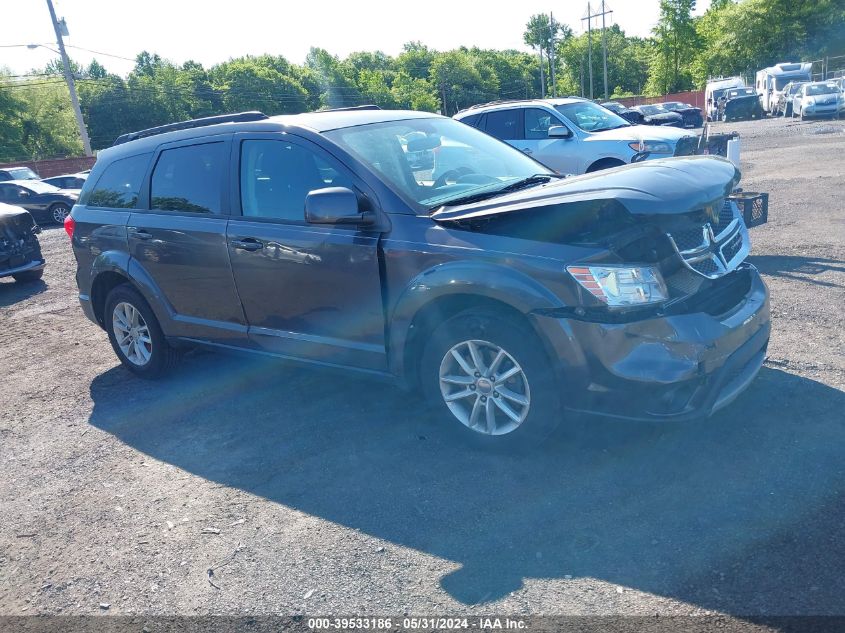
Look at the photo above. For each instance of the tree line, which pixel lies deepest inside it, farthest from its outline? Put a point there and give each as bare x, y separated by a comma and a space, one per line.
731, 37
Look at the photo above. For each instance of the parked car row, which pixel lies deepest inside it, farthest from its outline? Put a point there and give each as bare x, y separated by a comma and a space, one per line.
669, 113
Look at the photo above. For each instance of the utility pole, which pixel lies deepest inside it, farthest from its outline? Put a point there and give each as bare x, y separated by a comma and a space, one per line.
542, 76
74, 99
590, 15
604, 47
589, 19
552, 55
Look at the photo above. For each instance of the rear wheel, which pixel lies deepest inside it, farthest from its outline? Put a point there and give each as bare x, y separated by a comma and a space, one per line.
489, 377
28, 276
135, 334
58, 212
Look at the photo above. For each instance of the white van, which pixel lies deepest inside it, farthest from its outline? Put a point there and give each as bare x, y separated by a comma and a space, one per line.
715, 91
771, 81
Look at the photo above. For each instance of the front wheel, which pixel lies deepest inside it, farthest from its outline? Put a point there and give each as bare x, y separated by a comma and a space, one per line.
58, 212
135, 334
490, 378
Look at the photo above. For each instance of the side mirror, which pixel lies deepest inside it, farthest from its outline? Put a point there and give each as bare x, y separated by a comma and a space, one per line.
335, 205
559, 131
23, 194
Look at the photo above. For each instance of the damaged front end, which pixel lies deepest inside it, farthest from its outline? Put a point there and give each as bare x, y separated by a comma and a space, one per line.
20, 251
665, 309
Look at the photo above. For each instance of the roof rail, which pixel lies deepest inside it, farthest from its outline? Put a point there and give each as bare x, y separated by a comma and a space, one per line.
370, 106
239, 117
496, 102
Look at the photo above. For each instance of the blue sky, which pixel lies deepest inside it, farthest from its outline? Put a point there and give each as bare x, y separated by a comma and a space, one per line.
211, 32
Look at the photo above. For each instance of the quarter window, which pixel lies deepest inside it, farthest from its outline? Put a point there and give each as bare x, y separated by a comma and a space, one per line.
276, 176
189, 179
504, 124
120, 183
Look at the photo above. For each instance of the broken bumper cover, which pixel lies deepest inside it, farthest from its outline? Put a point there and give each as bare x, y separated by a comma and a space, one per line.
36, 264
676, 367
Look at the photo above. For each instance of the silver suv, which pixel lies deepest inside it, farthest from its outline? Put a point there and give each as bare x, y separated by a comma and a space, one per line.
575, 136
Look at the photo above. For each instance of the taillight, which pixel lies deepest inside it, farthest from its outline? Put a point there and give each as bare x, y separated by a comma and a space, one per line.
70, 224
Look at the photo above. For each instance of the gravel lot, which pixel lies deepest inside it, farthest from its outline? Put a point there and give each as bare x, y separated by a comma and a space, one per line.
318, 493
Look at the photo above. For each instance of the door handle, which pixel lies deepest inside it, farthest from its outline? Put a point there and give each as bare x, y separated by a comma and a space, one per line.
247, 244
140, 234
526, 150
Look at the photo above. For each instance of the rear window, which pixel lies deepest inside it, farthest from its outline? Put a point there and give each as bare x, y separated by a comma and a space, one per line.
119, 184
504, 125
189, 178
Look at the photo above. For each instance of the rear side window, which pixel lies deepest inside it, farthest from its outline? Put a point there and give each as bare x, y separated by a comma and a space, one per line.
189, 179
504, 124
119, 185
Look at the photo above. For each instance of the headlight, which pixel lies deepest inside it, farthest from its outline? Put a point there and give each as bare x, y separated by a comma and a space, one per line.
652, 147
621, 285
809, 101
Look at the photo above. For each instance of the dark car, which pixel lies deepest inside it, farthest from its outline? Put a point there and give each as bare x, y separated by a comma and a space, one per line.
740, 104
68, 181
46, 202
632, 116
656, 114
20, 252
506, 293
18, 173
691, 115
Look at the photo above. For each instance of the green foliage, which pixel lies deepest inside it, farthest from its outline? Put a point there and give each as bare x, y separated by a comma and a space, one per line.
675, 47
731, 37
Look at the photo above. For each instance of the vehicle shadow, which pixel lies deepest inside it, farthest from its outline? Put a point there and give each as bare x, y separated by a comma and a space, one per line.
798, 268
743, 512
12, 291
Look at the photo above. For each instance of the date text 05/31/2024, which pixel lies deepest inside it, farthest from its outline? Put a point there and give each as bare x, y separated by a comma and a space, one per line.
413, 624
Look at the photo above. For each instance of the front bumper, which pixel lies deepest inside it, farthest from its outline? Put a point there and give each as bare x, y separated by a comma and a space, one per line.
823, 110
675, 367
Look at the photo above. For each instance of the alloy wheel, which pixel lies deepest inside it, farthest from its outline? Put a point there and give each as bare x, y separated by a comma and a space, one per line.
484, 387
60, 212
132, 334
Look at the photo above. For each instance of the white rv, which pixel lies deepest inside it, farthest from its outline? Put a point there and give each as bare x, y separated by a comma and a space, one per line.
714, 94
771, 81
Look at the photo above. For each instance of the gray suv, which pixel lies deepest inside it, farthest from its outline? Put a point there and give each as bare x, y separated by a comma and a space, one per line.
507, 294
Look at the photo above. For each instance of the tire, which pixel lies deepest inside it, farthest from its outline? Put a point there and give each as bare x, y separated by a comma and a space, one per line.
28, 276
481, 417
149, 355
58, 212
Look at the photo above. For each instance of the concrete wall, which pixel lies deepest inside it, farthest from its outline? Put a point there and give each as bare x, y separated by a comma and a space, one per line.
55, 166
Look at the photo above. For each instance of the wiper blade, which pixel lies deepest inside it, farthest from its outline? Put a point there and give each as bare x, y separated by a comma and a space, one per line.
514, 186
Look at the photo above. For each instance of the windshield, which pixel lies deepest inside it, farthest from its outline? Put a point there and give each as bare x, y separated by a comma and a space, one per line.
741, 92
820, 89
430, 162
590, 117
653, 109
36, 186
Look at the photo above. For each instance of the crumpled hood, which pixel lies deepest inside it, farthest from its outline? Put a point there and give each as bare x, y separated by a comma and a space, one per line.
658, 187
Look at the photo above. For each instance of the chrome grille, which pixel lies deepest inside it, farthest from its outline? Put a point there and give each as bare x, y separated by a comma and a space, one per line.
713, 253
726, 213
